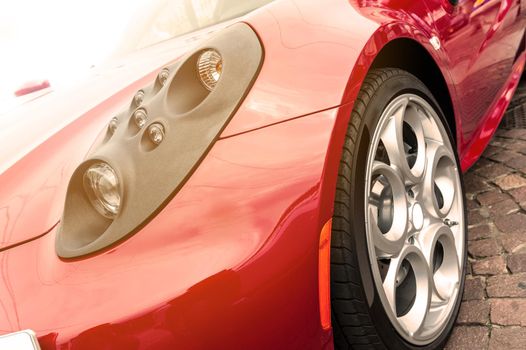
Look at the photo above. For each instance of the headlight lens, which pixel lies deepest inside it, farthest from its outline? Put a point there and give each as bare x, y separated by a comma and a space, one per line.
102, 187
210, 67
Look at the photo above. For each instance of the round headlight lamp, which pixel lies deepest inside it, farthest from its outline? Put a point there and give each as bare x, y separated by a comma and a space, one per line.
102, 188
210, 68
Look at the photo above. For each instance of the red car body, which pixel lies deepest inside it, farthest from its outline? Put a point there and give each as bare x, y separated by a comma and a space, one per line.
233, 260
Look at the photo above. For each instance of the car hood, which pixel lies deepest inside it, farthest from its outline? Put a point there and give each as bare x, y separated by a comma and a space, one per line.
43, 140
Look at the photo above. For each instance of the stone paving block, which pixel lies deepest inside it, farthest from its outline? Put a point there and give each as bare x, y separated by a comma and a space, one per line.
507, 339
507, 286
514, 134
491, 150
475, 184
492, 197
511, 181
474, 312
474, 288
517, 162
502, 156
516, 145
472, 204
494, 265
481, 163
511, 223
475, 217
517, 263
479, 232
492, 171
484, 248
511, 242
468, 338
519, 194
507, 312
503, 208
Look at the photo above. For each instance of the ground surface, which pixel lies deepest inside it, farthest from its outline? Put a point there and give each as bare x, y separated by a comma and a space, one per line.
493, 313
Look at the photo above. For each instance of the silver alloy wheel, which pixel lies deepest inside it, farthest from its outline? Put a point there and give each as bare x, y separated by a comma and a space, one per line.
414, 219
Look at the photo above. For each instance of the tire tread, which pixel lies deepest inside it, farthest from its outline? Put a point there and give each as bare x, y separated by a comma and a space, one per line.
353, 326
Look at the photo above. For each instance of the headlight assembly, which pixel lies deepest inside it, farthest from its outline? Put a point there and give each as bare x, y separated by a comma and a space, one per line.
102, 188
150, 148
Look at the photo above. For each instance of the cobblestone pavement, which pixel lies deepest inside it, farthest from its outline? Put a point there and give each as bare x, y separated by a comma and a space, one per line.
493, 313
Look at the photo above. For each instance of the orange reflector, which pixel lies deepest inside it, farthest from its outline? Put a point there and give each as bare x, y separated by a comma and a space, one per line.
324, 275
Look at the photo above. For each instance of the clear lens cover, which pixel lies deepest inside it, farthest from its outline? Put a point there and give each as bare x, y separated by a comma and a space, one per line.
140, 117
102, 188
138, 98
156, 132
210, 67
163, 76
112, 126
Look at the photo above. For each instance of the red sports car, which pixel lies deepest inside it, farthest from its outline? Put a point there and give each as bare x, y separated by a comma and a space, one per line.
285, 179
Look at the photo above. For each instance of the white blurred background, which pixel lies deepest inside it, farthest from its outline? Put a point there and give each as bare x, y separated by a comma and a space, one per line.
61, 40
57, 40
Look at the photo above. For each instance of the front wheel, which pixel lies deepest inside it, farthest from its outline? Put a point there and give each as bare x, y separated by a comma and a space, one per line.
398, 247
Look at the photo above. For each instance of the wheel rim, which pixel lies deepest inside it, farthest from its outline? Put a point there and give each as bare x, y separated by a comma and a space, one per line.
414, 219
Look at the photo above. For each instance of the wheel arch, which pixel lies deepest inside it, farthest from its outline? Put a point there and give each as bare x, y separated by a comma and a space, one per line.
421, 64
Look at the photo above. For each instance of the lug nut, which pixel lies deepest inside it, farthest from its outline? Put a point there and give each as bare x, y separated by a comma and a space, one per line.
450, 223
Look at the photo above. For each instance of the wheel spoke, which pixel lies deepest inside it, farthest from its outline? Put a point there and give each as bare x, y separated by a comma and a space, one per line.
385, 247
437, 243
389, 283
439, 180
411, 316
392, 136
415, 318
415, 121
396, 146
390, 242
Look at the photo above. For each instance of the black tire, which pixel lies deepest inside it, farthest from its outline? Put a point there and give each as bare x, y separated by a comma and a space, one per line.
358, 317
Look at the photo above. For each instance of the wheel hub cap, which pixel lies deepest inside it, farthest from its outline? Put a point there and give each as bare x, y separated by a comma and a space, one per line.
417, 216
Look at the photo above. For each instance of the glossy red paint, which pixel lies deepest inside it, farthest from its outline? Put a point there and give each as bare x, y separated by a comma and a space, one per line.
320, 52
232, 261
252, 264
491, 119
481, 45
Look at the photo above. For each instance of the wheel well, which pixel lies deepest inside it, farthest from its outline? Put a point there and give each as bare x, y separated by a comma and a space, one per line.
410, 56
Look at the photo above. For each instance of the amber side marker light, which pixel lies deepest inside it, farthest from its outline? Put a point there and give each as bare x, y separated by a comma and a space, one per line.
324, 275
